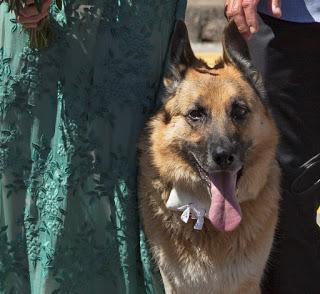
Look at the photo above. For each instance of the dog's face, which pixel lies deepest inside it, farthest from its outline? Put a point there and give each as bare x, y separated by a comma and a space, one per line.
213, 118
213, 126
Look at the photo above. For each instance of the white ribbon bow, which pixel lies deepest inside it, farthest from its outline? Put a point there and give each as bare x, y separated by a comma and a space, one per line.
195, 212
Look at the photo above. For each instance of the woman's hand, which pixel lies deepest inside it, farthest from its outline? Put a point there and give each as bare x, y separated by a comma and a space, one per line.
30, 17
244, 14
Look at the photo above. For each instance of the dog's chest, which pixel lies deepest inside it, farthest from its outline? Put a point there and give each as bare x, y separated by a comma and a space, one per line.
199, 271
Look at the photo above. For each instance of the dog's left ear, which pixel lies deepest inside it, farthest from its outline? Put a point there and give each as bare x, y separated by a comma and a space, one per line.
236, 52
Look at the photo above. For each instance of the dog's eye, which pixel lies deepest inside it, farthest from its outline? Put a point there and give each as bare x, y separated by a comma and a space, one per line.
197, 114
239, 111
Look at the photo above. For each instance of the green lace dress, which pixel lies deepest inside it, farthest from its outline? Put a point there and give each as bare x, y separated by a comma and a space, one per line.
70, 117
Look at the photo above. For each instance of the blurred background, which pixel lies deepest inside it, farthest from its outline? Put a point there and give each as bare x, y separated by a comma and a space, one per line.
205, 20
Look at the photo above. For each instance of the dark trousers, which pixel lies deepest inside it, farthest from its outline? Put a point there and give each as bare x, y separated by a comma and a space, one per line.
288, 56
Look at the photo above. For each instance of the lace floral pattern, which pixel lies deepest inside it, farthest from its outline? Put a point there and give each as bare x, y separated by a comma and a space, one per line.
70, 118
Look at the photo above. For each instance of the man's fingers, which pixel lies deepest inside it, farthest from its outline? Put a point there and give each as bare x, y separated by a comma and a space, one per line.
226, 9
250, 12
242, 25
235, 12
233, 8
275, 6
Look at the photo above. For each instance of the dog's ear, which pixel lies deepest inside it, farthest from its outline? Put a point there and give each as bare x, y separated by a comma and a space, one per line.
235, 49
236, 52
181, 55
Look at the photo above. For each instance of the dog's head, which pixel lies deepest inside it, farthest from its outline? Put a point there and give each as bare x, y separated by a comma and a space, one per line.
213, 127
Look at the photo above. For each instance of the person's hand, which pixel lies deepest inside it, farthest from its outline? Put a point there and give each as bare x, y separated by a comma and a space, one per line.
30, 17
244, 14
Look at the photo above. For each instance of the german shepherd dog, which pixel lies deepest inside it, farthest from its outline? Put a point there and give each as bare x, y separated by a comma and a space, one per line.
209, 154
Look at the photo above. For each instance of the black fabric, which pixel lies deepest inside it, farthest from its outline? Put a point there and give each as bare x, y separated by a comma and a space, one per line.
288, 56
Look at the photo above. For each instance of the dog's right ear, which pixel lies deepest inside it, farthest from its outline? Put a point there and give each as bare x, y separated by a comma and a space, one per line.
181, 55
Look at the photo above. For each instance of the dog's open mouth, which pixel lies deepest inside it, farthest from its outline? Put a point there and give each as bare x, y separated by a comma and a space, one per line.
225, 211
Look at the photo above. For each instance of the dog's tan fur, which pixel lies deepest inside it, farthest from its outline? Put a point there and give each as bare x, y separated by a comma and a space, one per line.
209, 261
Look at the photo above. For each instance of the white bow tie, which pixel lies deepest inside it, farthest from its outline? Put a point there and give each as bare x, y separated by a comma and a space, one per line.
195, 212
190, 205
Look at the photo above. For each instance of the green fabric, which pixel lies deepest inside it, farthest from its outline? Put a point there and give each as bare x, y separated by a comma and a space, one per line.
70, 118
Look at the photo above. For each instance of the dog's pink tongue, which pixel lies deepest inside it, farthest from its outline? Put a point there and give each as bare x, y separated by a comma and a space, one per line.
225, 212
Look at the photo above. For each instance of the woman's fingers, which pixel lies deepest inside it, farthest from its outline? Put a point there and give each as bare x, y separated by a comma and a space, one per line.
31, 26
45, 5
29, 11
30, 17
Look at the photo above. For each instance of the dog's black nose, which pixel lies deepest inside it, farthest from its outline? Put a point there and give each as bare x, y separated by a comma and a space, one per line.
223, 157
